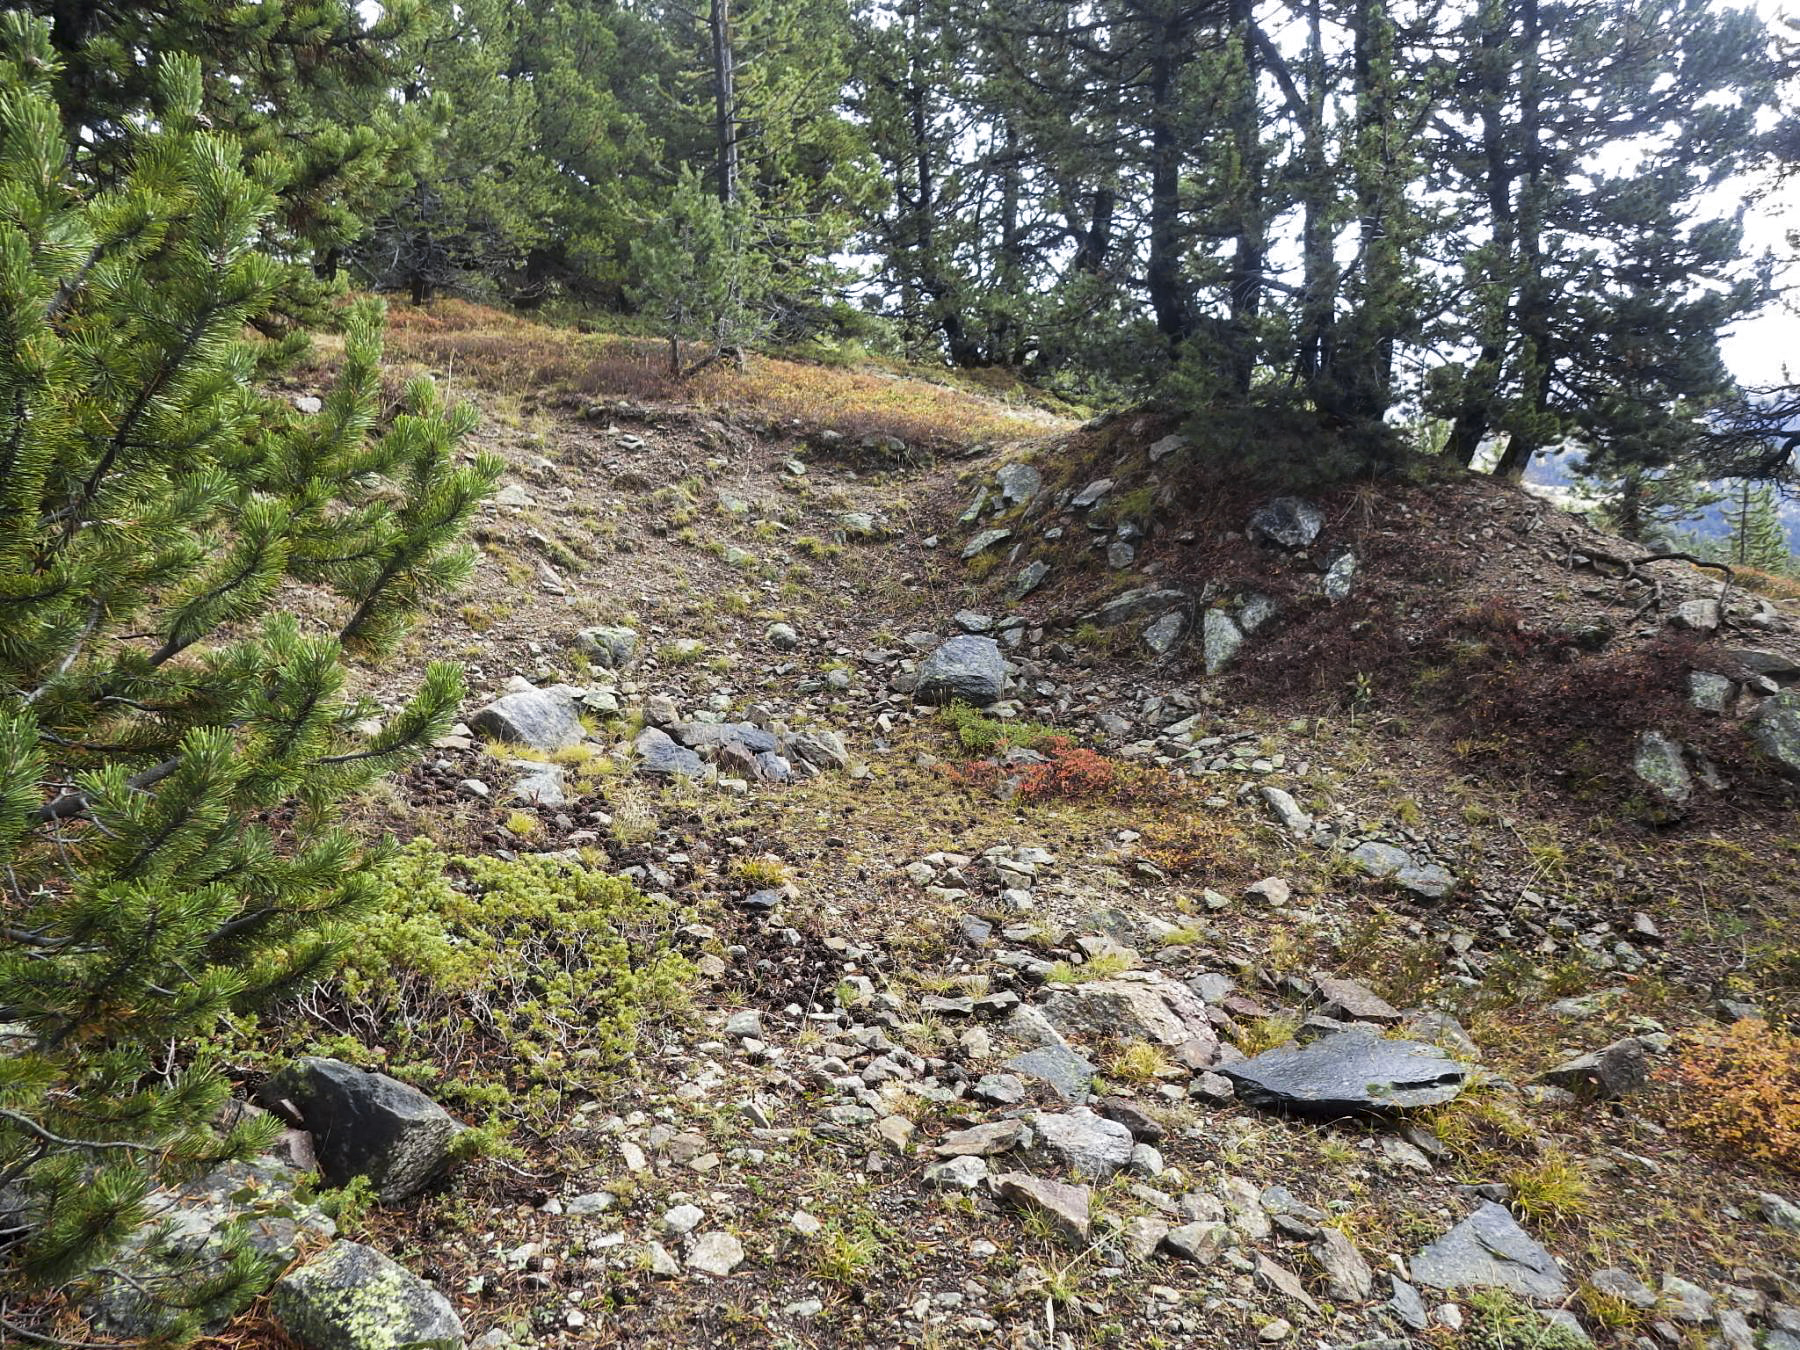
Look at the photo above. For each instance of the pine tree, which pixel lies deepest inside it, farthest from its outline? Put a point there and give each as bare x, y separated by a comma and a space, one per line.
701, 274
1758, 538
483, 195
160, 715
305, 86
1597, 295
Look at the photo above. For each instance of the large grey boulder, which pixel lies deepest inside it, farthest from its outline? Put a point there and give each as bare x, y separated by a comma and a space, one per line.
965, 669
1709, 692
1488, 1250
609, 645
1067, 1207
1775, 665
1220, 639
1340, 575
1019, 483
659, 754
544, 785
1133, 1006
188, 1238
1775, 728
1291, 522
1062, 1070
1030, 577
1162, 635
1354, 1072
354, 1298
366, 1125
705, 736
538, 718
1348, 1279
1386, 862
1083, 1142
818, 747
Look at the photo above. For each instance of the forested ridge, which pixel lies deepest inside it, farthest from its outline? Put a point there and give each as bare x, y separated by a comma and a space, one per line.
1513, 220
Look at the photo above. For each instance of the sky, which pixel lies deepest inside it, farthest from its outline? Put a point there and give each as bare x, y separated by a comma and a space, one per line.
1766, 350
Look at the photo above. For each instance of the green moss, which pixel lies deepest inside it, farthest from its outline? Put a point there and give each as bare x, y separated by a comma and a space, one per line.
982, 735
499, 978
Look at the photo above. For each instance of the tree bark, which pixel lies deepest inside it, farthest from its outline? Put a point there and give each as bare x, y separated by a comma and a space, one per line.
1319, 269
1537, 346
1475, 417
725, 123
1246, 283
1163, 278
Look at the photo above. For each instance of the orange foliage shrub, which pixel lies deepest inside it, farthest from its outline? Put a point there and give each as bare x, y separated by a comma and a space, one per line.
1741, 1092
1070, 773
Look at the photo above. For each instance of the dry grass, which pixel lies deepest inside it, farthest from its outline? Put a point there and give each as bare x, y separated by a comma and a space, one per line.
512, 355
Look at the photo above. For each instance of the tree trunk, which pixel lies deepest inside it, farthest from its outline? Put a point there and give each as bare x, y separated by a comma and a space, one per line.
1246, 284
1096, 240
1365, 390
1537, 355
1168, 294
944, 309
725, 122
1319, 269
1481, 388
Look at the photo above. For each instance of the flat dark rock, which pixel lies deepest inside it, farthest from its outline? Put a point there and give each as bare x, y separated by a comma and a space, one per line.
1352, 1073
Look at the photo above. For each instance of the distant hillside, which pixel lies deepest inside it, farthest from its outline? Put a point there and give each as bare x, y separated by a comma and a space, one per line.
1558, 475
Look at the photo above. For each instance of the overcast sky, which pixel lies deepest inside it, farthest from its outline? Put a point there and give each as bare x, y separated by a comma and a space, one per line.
1766, 350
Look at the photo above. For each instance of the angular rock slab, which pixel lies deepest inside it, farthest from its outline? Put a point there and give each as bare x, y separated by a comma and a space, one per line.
355, 1298
964, 669
1066, 1206
1660, 764
1144, 1007
367, 1125
705, 736
1385, 862
1488, 1250
659, 754
532, 717
609, 645
1775, 728
1066, 1073
1019, 483
1084, 1142
1220, 639
1354, 1072
1139, 603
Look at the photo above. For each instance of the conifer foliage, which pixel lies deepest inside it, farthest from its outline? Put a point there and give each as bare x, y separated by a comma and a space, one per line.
171, 742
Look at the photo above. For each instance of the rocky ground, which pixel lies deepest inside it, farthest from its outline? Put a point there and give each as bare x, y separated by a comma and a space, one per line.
1308, 941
